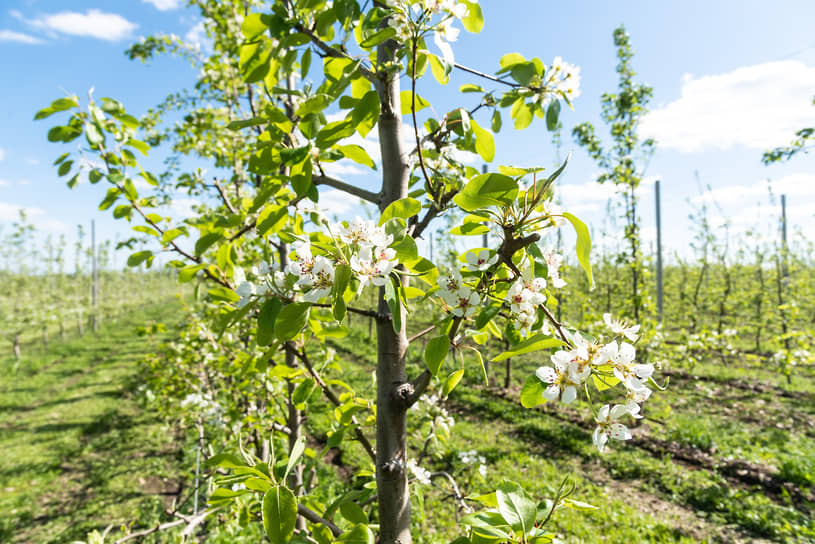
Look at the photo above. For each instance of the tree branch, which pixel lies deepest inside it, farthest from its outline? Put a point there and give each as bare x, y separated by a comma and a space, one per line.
314, 517
332, 397
336, 53
359, 192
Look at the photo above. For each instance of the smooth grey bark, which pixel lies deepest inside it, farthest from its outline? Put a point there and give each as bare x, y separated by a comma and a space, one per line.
391, 410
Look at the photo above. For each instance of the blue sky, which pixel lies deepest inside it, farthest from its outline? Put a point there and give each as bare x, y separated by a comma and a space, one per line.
730, 78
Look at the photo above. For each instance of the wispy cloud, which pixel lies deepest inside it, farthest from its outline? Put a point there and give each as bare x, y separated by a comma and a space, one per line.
19, 37
2, 153
37, 216
796, 185
165, 5
757, 107
93, 23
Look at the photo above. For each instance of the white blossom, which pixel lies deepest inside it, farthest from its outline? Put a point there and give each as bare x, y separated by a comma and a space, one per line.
608, 426
620, 327
481, 260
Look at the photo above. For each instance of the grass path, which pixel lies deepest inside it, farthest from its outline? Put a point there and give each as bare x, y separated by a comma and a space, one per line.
77, 452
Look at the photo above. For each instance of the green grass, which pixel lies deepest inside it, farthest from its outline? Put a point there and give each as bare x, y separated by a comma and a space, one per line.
78, 453
643, 494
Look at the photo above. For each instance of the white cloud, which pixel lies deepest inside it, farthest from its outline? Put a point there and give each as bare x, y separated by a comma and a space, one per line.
4, 183
337, 203
795, 185
19, 37
2, 153
165, 5
93, 23
757, 107
32, 161
37, 216
197, 36
182, 208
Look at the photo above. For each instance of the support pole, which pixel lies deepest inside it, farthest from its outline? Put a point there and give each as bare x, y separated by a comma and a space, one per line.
95, 289
659, 253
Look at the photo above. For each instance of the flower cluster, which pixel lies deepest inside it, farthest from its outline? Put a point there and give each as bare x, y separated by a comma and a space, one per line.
422, 475
471, 457
267, 282
459, 298
609, 364
524, 297
361, 244
314, 273
413, 19
563, 78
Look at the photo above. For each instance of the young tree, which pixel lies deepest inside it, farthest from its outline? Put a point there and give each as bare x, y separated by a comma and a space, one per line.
283, 279
801, 144
624, 162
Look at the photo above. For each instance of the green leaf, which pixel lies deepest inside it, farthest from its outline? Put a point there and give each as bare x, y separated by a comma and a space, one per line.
139, 257
357, 154
532, 392
206, 241
334, 132
291, 320
225, 460
60, 104
342, 277
366, 113
484, 142
253, 26
360, 534
552, 115
474, 20
451, 382
496, 121
583, 245
440, 68
486, 316
522, 114
64, 168
516, 507
279, 514
378, 37
435, 352
510, 59
243, 123
394, 304
267, 317
353, 513
294, 455
485, 190
404, 207
533, 343
405, 101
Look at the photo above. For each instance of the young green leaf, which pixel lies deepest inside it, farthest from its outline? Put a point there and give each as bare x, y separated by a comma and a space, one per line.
279, 514
291, 320
435, 352
583, 245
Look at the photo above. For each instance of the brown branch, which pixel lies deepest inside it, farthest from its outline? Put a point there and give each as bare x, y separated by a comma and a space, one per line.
422, 333
226, 200
332, 397
373, 198
333, 52
314, 517
485, 76
191, 521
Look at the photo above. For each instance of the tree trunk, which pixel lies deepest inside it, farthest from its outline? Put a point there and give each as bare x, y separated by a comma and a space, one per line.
295, 417
17, 346
45, 338
391, 414
61, 330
